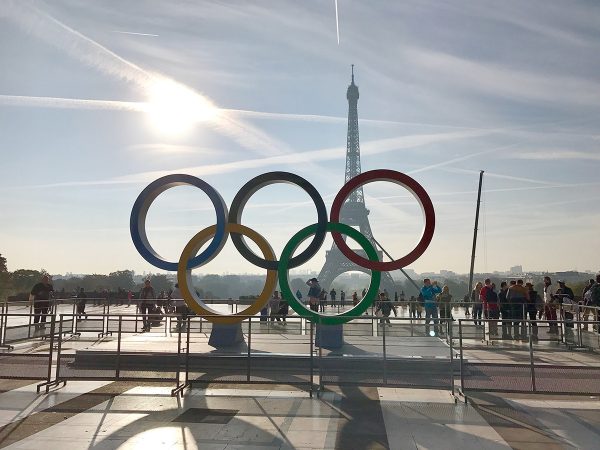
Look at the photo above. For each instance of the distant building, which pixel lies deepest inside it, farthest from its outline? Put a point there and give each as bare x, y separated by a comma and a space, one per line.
516, 270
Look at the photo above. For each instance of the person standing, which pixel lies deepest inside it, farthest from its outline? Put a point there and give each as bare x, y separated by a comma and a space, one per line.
477, 304
505, 310
332, 296
354, 298
491, 309
284, 309
550, 305
181, 309
429, 291
40, 296
322, 300
314, 291
81, 299
146, 304
445, 303
517, 296
342, 298
129, 297
274, 305
566, 297
531, 309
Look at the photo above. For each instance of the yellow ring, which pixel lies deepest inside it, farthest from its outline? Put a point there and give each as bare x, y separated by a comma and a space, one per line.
184, 275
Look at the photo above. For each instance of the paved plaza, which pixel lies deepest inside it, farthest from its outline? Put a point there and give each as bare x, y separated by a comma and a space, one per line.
118, 415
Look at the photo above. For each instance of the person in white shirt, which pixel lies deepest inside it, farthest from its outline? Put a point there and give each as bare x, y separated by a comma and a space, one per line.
550, 304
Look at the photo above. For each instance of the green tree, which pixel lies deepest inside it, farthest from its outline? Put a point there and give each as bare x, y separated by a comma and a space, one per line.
121, 279
24, 279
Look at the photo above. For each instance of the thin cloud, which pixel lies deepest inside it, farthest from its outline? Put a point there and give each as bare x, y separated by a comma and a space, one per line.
134, 33
547, 155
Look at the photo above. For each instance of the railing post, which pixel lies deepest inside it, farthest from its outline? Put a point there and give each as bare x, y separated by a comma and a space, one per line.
320, 333
462, 375
187, 351
384, 355
529, 326
248, 365
31, 311
579, 337
312, 362
118, 366
449, 334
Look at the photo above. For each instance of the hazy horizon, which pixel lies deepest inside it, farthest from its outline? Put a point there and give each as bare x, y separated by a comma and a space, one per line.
100, 99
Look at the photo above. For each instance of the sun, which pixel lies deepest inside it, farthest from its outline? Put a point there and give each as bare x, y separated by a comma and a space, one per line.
174, 109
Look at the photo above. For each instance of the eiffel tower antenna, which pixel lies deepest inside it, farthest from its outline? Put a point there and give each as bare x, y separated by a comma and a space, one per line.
354, 212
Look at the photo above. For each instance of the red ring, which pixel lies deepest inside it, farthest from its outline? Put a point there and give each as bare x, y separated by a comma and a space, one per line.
403, 180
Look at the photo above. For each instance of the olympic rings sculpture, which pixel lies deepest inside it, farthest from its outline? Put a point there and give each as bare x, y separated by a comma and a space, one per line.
228, 223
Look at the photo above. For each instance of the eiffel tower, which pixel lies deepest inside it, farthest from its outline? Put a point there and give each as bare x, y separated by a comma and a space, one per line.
354, 212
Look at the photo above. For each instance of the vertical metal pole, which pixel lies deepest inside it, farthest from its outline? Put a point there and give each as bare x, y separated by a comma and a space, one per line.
579, 338
531, 356
475, 233
118, 367
187, 351
51, 350
312, 362
248, 368
178, 362
449, 334
384, 356
31, 311
320, 335
60, 327
460, 343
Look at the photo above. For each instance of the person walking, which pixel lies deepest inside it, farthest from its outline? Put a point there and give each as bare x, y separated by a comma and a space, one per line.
314, 291
384, 309
40, 297
429, 291
332, 296
146, 305
81, 299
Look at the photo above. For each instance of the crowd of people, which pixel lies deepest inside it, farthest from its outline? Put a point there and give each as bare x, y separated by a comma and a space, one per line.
514, 304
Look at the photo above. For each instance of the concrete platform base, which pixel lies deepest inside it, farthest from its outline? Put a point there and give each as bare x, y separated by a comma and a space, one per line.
223, 336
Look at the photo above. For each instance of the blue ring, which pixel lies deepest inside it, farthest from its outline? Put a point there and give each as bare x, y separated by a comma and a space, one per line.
137, 221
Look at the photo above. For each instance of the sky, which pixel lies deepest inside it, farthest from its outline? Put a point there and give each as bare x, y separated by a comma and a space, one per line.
98, 99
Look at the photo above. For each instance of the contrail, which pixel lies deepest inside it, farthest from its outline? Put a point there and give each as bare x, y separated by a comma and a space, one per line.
74, 103
337, 22
134, 33
71, 103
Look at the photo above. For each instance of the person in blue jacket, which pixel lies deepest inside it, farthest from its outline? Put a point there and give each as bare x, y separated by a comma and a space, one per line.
429, 291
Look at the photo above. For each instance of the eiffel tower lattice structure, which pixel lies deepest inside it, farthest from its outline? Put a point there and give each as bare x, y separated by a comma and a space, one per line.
354, 211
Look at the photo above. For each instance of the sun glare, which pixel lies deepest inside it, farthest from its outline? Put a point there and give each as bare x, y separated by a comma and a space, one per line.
174, 109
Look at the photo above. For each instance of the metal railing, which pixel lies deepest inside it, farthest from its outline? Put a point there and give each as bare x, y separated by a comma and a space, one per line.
375, 354
532, 366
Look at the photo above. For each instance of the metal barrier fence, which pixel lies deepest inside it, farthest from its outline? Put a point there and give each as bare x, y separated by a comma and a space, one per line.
406, 352
524, 362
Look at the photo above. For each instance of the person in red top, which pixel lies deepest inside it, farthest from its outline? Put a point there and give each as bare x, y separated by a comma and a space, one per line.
483, 294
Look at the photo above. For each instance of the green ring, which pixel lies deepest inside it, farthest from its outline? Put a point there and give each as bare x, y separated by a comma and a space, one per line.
302, 310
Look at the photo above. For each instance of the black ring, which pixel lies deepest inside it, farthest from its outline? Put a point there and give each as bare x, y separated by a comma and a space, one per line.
256, 183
